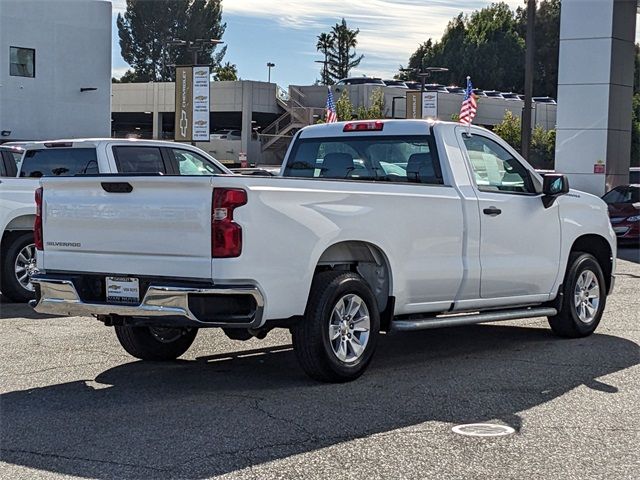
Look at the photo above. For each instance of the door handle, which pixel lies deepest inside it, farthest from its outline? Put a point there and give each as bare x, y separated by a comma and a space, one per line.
117, 187
492, 211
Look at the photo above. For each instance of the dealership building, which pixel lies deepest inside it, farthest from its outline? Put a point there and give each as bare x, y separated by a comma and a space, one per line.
55, 69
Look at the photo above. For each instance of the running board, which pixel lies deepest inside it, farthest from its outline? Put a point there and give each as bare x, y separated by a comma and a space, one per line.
453, 320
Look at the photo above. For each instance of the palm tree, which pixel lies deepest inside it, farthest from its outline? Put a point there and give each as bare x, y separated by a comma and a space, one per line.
227, 72
326, 42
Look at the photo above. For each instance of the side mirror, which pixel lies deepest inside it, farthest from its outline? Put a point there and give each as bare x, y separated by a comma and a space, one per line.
554, 185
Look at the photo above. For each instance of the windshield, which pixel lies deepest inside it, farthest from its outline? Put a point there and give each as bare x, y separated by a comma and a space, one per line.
623, 194
376, 158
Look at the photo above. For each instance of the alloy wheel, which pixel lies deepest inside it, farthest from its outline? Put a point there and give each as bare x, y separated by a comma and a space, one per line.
587, 296
349, 328
25, 266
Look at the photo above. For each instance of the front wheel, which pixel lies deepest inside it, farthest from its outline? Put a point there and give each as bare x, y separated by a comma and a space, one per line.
155, 343
337, 337
584, 298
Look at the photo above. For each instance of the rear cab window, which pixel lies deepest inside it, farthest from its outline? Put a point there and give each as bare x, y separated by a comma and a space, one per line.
59, 162
404, 159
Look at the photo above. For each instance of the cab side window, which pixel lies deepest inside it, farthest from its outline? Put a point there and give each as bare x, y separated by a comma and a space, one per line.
494, 168
190, 163
139, 159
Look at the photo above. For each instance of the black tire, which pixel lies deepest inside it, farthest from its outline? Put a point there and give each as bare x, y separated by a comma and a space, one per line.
9, 283
146, 343
311, 343
567, 322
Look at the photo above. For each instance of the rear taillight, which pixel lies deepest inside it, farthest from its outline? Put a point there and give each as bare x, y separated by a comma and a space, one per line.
226, 235
37, 225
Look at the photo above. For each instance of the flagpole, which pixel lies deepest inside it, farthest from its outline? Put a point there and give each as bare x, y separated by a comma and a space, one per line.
469, 124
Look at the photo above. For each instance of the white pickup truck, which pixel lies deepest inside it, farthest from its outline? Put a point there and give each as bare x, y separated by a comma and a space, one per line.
377, 225
64, 158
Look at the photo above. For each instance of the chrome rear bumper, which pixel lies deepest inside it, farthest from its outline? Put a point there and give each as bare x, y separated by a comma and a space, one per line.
60, 297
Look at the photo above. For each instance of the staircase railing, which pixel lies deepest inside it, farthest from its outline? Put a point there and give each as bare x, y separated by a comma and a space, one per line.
295, 117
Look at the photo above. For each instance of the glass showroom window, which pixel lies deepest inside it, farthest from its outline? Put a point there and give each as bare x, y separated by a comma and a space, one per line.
22, 62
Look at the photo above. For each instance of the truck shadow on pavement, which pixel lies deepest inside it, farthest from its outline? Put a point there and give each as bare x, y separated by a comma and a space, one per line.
223, 413
9, 309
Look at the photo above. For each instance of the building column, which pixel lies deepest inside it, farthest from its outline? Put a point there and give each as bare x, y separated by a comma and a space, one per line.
595, 89
155, 115
247, 104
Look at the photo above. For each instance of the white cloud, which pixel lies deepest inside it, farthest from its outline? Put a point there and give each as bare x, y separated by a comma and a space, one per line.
118, 6
117, 72
390, 30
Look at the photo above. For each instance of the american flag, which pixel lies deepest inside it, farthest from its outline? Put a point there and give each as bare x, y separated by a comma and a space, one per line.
469, 105
331, 114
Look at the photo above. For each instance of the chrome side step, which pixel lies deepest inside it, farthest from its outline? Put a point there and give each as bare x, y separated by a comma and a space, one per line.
455, 320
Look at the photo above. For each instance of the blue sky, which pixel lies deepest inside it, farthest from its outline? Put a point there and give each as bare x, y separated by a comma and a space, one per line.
284, 32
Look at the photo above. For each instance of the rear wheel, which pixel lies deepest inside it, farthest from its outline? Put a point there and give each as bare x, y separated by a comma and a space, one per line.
18, 265
155, 343
336, 339
584, 298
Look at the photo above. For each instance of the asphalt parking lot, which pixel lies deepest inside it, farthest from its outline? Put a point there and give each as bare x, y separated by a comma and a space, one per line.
73, 404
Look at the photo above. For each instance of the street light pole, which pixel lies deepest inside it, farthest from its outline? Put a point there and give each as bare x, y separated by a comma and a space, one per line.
270, 65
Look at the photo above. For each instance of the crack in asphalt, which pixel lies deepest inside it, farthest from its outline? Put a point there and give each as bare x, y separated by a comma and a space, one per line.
31, 334
82, 459
311, 438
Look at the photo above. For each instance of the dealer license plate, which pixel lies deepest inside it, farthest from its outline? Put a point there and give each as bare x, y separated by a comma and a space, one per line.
123, 290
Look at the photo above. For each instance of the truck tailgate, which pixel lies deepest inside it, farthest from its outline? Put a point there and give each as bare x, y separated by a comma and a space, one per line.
161, 227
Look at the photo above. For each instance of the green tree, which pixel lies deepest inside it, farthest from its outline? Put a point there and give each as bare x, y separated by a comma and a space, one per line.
543, 142
376, 106
127, 77
543, 148
485, 45
326, 42
509, 130
227, 72
495, 51
547, 45
489, 46
344, 107
340, 53
416, 61
147, 27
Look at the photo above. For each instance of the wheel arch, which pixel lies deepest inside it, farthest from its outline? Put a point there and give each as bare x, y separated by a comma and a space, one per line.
370, 262
19, 224
599, 247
